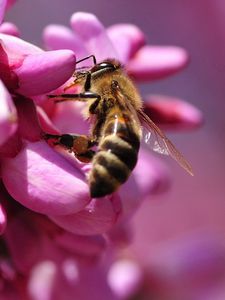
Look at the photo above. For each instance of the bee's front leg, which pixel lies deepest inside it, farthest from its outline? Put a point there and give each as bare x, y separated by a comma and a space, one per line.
80, 145
83, 97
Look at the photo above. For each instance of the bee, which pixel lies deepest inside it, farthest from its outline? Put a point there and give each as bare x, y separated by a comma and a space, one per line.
118, 124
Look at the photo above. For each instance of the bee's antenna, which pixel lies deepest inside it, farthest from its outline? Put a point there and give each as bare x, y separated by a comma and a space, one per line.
87, 57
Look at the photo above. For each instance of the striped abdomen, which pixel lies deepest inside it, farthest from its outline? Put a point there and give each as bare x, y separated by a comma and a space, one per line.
117, 155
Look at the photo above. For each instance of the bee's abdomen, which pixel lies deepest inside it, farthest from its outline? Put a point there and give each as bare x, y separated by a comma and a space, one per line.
112, 165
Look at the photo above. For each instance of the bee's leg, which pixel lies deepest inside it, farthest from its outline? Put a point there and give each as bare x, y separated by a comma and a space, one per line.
80, 145
82, 74
83, 97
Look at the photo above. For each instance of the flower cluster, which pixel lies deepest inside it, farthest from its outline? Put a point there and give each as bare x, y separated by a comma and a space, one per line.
48, 222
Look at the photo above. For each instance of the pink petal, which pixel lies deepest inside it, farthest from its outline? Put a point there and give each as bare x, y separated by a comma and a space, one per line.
42, 73
3, 219
121, 235
6, 74
68, 118
60, 37
29, 127
12, 53
12, 146
45, 181
20, 236
42, 279
9, 28
154, 62
3, 4
150, 176
93, 34
125, 278
191, 262
10, 3
172, 112
81, 245
17, 48
8, 115
97, 218
45, 122
127, 40
156, 177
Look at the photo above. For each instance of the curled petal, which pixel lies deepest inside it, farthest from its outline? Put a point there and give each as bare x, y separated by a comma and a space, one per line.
154, 62
8, 115
81, 245
3, 219
60, 37
9, 28
42, 73
12, 53
125, 278
127, 40
44, 181
172, 112
93, 35
97, 217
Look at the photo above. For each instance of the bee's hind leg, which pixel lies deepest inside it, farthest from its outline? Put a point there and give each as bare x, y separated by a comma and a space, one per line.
80, 145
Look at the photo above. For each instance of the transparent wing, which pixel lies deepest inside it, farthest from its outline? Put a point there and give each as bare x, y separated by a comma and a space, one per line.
157, 141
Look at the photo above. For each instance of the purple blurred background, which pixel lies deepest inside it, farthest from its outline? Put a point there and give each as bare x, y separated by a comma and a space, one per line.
192, 204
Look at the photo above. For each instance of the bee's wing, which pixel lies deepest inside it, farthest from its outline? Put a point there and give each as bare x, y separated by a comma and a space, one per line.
157, 141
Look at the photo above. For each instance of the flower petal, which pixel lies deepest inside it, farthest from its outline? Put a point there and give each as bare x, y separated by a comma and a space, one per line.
9, 28
12, 53
172, 112
8, 115
154, 62
17, 48
29, 127
194, 261
155, 180
3, 4
21, 236
42, 73
60, 37
156, 177
127, 40
44, 181
98, 217
3, 219
68, 118
81, 245
12, 146
125, 278
93, 34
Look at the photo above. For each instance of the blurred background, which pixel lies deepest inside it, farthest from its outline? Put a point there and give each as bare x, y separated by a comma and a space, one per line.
192, 205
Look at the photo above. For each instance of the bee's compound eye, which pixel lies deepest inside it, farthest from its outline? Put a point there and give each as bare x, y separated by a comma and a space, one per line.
103, 66
66, 140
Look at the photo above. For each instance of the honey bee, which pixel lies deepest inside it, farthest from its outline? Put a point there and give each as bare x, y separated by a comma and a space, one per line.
118, 121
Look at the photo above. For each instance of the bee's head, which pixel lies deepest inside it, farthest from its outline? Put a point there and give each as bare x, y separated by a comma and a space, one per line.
107, 65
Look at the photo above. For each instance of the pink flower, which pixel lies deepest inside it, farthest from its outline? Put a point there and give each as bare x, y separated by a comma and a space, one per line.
46, 209
188, 268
